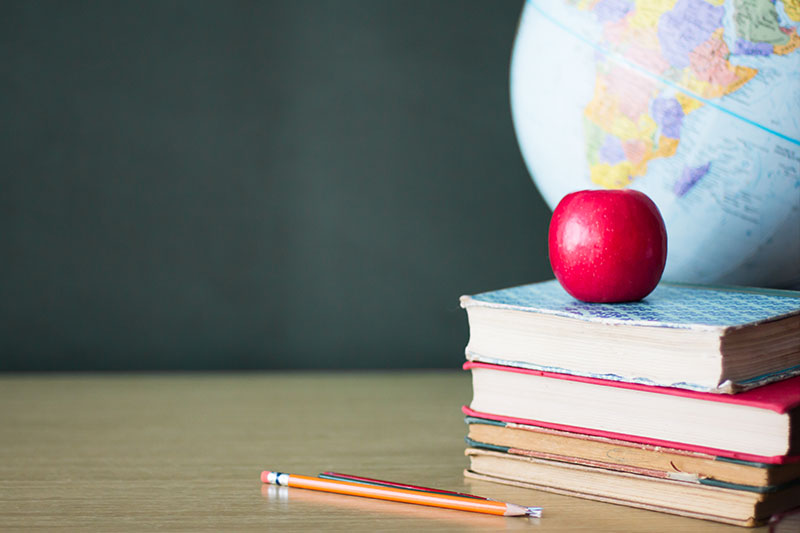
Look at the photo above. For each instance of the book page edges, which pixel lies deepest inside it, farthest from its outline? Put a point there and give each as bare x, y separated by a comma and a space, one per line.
779, 396
639, 505
776, 459
469, 420
725, 387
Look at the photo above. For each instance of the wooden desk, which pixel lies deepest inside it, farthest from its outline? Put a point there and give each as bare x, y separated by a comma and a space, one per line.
184, 452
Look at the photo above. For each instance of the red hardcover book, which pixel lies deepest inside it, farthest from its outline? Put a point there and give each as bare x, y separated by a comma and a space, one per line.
759, 425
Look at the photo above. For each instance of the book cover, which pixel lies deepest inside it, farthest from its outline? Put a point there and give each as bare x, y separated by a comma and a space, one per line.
670, 305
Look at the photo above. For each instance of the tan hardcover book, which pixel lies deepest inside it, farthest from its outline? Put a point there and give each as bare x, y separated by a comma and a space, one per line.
615, 454
739, 507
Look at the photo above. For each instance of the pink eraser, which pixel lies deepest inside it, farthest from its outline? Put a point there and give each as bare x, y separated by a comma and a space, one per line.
265, 476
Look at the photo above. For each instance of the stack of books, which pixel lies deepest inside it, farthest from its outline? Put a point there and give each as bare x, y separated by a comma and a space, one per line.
687, 402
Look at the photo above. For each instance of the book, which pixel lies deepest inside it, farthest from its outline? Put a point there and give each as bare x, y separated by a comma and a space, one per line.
626, 456
721, 504
714, 339
761, 424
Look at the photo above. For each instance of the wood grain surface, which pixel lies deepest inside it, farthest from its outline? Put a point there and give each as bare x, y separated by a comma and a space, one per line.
183, 452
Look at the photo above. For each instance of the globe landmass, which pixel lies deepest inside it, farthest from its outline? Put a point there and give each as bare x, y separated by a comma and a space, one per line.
694, 102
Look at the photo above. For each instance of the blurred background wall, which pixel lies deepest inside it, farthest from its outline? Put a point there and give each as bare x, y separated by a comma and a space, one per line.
239, 185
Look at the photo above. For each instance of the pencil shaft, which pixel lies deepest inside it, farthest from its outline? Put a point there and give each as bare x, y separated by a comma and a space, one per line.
360, 479
394, 494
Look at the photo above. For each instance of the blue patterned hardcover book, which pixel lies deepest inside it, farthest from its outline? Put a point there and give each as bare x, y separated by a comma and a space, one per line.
716, 339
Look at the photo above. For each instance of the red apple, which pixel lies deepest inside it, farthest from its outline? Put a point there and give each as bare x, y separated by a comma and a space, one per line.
607, 245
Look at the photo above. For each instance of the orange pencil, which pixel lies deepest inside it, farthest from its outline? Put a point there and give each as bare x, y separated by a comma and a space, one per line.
445, 501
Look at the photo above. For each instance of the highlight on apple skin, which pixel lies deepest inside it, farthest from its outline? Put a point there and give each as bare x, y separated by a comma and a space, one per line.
607, 246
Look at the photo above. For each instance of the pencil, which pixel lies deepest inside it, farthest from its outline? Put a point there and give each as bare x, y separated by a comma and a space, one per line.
445, 501
371, 481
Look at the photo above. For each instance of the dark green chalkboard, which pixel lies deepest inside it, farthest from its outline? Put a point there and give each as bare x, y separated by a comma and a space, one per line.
207, 185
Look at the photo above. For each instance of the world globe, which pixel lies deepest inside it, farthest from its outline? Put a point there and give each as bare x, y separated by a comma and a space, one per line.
696, 103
